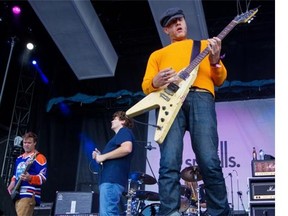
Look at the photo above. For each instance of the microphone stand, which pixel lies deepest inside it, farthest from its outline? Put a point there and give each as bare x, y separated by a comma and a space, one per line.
240, 197
232, 199
238, 191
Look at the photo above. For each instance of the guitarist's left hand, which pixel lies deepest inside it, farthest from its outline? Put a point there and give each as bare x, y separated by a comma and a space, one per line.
25, 177
215, 49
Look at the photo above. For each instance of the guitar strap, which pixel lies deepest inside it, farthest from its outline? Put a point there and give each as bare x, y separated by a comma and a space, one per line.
195, 49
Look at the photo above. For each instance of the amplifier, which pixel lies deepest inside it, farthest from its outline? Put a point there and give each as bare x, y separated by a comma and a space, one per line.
45, 209
260, 209
75, 203
261, 168
262, 188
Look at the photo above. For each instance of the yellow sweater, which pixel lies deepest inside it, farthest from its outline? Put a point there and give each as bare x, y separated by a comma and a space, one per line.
177, 55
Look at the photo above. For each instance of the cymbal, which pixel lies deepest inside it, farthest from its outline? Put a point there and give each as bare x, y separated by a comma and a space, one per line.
191, 174
142, 178
147, 195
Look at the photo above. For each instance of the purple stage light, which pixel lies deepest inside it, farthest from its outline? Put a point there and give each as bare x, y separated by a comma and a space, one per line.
16, 10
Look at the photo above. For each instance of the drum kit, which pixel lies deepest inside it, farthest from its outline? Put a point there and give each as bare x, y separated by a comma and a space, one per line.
191, 200
136, 197
190, 196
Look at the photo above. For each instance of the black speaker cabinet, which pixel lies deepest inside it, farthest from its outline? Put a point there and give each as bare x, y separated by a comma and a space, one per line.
74, 203
262, 209
262, 188
45, 209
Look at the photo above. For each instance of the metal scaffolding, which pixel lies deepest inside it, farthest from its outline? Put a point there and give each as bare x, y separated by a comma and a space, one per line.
19, 120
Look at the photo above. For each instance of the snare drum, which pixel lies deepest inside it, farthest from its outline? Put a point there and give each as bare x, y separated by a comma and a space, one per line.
150, 210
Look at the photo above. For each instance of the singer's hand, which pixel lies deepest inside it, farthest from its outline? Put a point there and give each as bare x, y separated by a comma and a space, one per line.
96, 154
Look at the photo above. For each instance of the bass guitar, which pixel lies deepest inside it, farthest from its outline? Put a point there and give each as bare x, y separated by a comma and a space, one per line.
170, 99
29, 162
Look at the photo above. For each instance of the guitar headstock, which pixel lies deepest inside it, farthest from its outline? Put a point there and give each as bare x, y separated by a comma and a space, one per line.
246, 17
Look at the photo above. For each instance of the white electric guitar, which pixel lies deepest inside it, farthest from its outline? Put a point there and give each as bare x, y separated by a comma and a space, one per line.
170, 99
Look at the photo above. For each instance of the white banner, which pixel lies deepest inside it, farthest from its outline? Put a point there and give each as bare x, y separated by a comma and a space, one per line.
242, 125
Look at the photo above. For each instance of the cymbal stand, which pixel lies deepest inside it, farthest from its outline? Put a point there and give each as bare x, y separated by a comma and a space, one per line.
198, 200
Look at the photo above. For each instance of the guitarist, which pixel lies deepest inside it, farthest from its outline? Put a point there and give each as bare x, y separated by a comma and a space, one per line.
29, 175
197, 115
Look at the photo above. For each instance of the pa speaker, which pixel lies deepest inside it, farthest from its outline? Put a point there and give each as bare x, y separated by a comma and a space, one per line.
74, 203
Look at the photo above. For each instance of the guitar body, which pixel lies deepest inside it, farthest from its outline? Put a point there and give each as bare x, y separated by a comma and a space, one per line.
168, 105
15, 191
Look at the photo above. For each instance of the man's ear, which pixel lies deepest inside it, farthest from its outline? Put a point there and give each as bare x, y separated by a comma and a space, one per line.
165, 29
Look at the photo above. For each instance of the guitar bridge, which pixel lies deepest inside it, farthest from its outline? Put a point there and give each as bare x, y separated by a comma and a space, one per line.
164, 96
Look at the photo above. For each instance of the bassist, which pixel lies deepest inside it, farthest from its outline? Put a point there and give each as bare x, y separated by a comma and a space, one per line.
29, 175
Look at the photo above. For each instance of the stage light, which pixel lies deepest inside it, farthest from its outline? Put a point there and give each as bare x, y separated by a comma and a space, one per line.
64, 109
30, 46
16, 10
17, 141
42, 75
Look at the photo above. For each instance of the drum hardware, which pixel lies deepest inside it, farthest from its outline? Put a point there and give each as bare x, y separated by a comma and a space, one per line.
136, 198
198, 200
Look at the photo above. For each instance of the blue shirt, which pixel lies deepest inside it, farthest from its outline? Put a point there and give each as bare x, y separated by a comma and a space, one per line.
117, 170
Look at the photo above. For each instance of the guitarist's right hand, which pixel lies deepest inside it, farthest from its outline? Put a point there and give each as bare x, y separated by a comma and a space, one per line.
163, 77
25, 177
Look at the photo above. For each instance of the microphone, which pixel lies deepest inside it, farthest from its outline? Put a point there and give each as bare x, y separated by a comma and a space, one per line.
149, 146
98, 153
239, 193
230, 174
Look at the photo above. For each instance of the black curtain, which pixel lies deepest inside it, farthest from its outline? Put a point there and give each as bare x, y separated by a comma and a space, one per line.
67, 140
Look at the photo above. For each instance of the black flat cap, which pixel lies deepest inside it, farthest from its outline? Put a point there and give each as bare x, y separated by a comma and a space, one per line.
169, 15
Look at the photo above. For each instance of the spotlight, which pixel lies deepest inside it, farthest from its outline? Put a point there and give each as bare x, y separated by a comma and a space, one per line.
30, 46
34, 62
16, 10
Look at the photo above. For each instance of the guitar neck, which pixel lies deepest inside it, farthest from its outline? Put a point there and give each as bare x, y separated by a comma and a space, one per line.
205, 52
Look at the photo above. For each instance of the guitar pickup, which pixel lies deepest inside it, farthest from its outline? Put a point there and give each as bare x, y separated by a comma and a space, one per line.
171, 88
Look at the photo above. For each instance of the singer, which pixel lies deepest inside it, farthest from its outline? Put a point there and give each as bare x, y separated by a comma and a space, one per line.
115, 160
